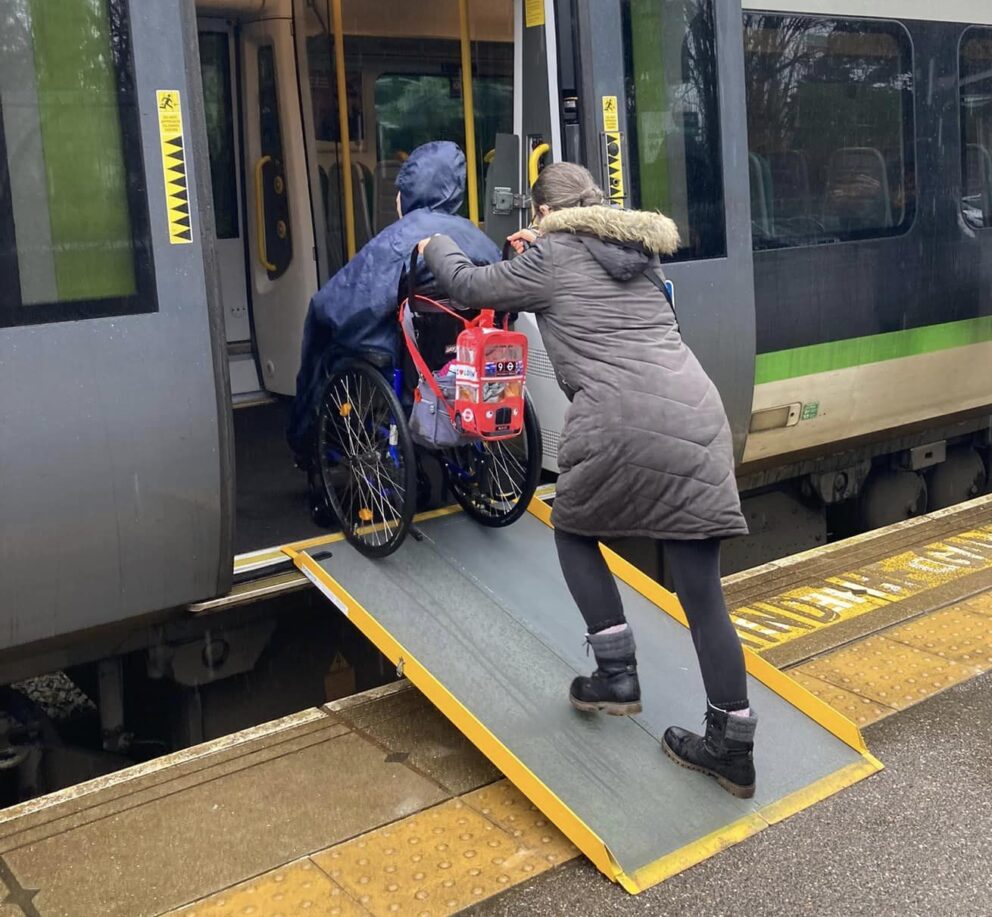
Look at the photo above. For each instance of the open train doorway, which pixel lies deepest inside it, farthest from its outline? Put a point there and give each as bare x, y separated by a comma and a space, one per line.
311, 108
384, 78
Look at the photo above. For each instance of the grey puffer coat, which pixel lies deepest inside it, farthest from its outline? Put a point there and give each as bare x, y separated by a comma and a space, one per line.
646, 447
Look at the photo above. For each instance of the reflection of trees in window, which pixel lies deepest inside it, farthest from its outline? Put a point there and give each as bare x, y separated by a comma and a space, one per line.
829, 105
75, 214
976, 127
673, 119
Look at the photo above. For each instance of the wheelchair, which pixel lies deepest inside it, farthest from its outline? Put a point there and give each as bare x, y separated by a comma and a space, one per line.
368, 470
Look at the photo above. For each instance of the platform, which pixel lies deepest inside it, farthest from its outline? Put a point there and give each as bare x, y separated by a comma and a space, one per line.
324, 812
481, 621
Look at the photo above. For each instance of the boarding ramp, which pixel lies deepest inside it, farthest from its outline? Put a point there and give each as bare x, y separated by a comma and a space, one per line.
481, 621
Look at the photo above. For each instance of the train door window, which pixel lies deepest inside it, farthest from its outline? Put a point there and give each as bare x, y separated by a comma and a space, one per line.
674, 118
830, 129
74, 229
215, 71
403, 85
976, 126
415, 108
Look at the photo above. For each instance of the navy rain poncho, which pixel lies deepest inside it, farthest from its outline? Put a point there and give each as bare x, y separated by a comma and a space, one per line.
355, 311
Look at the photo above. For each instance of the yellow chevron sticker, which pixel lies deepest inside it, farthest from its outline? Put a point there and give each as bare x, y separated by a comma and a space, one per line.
614, 166
170, 129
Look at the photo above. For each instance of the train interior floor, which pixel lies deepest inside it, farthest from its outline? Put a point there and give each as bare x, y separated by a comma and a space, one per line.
271, 501
377, 805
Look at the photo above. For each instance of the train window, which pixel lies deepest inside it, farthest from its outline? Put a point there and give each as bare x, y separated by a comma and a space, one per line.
830, 129
268, 104
215, 70
415, 108
402, 87
976, 126
74, 234
674, 118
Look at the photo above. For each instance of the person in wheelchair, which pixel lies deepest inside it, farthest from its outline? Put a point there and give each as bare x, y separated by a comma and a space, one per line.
354, 313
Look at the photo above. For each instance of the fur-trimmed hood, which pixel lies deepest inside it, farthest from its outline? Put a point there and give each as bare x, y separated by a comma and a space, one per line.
654, 231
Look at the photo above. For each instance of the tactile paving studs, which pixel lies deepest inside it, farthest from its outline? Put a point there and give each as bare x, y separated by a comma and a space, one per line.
505, 805
952, 633
888, 672
431, 864
980, 604
299, 889
859, 710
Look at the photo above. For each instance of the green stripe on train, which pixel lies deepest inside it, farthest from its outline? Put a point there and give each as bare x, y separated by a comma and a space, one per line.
821, 358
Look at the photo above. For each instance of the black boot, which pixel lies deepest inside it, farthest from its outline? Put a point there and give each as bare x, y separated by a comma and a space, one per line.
725, 752
613, 687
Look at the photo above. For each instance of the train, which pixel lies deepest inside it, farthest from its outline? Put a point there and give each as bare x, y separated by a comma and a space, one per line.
177, 178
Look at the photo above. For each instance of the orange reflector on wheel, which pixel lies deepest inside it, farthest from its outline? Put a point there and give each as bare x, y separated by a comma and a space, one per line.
345, 409
365, 514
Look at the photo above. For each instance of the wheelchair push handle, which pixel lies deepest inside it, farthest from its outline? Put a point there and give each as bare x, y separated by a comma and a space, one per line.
486, 317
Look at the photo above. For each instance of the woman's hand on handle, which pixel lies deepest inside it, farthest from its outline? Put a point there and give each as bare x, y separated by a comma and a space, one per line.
423, 243
521, 239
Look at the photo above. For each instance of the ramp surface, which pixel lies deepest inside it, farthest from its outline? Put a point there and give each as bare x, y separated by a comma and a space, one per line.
481, 621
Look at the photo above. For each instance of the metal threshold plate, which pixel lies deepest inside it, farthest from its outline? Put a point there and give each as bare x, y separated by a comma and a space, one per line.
481, 621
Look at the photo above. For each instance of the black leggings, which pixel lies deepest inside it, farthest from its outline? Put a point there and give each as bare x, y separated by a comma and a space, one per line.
695, 568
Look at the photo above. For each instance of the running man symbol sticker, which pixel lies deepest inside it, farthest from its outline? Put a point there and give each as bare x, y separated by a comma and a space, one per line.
611, 114
170, 130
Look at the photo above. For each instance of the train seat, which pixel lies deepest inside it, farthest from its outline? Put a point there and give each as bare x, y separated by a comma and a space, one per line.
856, 196
384, 194
761, 194
790, 186
335, 213
978, 183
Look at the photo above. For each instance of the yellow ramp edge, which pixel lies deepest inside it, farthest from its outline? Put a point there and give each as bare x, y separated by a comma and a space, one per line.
571, 825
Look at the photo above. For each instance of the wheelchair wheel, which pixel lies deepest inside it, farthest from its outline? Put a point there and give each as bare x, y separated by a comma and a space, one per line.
495, 481
365, 458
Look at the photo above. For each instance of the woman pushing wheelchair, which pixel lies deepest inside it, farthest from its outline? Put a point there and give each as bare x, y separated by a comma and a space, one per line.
645, 450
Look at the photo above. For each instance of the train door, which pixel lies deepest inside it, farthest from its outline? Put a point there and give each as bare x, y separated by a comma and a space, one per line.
221, 99
402, 74
115, 459
652, 97
282, 271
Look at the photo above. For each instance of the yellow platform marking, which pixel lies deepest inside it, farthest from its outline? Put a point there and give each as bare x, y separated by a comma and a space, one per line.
811, 606
856, 708
888, 672
505, 805
434, 863
981, 604
875, 677
951, 633
293, 890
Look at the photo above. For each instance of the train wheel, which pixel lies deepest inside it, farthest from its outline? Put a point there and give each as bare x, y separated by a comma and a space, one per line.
891, 496
366, 458
495, 481
960, 477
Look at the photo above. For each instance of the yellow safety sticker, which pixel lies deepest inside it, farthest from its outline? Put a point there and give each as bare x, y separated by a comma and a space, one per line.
804, 609
614, 166
611, 114
534, 12
170, 129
